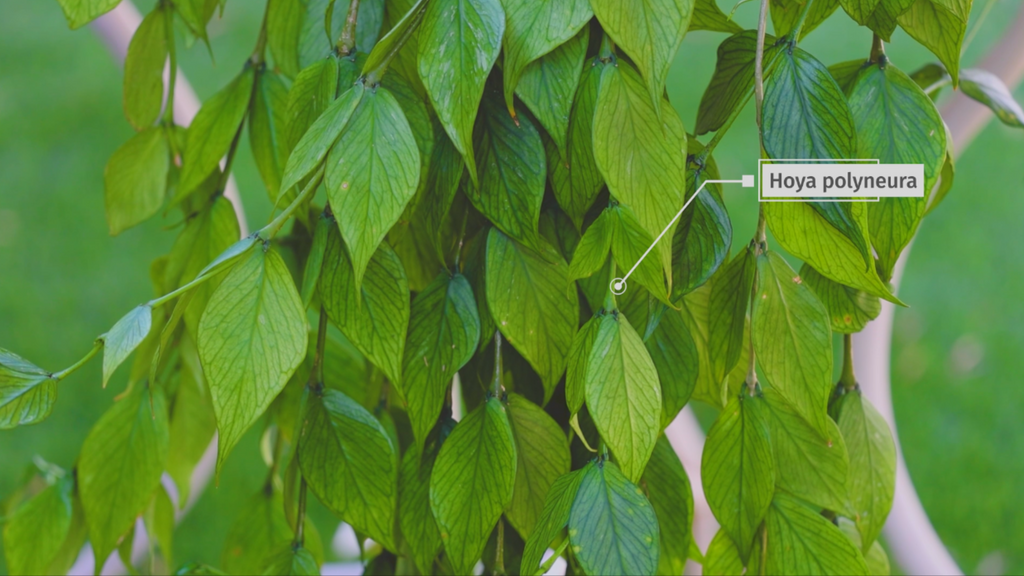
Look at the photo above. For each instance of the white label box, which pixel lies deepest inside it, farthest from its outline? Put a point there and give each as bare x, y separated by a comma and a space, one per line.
841, 180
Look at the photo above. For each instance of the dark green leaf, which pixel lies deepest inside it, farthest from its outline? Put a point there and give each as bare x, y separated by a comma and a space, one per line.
144, 70
872, 480
802, 541
472, 482
312, 92
937, 29
989, 89
668, 488
135, 180
315, 260
81, 12
548, 84
351, 464
553, 518
732, 82
675, 356
850, 309
703, 234
399, 33
131, 435
542, 456
27, 392
730, 294
708, 16
414, 515
612, 527
267, 119
845, 73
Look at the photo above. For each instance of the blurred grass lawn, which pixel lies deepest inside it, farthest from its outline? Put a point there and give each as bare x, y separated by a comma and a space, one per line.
63, 280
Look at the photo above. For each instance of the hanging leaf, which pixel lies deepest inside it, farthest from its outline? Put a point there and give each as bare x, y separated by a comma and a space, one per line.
35, 532
144, 70
292, 561
312, 92
732, 82
351, 464
675, 356
27, 392
849, 309
727, 315
192, 424
249, 357
668, 489
708, 16
802, 541
722, 558
786, 14
284, 22
553, 519
124, 337
623, 393
938, 29
260, 527
81, 12
990, 90
542, 456
612, 527
459, 43
416, 520
703, 235
135, 180
443, 333
883, 20
548, 84
267, 121
472, 482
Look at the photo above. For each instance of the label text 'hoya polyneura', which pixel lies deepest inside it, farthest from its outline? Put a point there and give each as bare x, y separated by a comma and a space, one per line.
820, 180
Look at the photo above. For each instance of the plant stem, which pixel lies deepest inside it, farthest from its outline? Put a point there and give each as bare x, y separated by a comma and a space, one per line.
794, 36
762, 22
764, 549
268, 231
499, 555
179, 290
877, 48
96, 347
607, 51
848, 379
498, 374
172, 53
300, 519
316, 374
259, 53
347, 40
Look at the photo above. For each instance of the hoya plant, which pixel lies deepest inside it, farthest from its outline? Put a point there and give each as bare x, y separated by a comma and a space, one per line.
426, 331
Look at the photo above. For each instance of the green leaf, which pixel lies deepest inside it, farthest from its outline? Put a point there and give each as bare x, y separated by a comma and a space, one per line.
807, 235
630, 242
351, 464
937, 29
124, 337
548, 84
312, 92
192, 425
144, 70
401, 32
445, 173
27, 392
860, 10
416, 112
542, 456
416, 520
315, 260
592, 251
732, 82
131, 435
473, 482
553, 518
444, 330
578, 362
261, 526
376, 319
204, 237
458, 44
668, 489
372, 173
708, 16
574, 176
730, 294
642, 158
135, 180
722, 558
989, 89
792, 338
252, 337
802, 541
875, 557
850, 309
612, 527
897, 124
872, 479
35, 532
511, 180
675, 356
786, 14
845, 73
268, 115
650, 32
213, 129
737, 469
291, 561
805, 113
284, 21
945, 178
703, 235
81, 12
526, 294
532, 31
623, 393
808, 463
883, 19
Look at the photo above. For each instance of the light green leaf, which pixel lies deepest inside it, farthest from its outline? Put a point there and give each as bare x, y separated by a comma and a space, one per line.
612, 527
897, 124
261, 526
372, 173
206, 235
376, 319
459, 42
421, 122
989, 89
542, 456
351, 464
623, 393
553, 518
860, 10
708, 16
144, 70
722, 558
252, 337
472, 482
443, 333
675, 356
808, 463
526, 294
703, 235
511, 164
578, 362
81, 12
548, 85
284, 21
802, 541
792, 338
312, 92
27, 392
35, 532
629, 243
533, 31
193, 423
883, 19
727, 315
268, 115
937, 29
668, 489
642, 157
291, 561
414, 515
574, 176
158, 520
131, 435
135, 180
124, 337
737, 469
592, 251
650, 32
850, 309
872, 479
213, 129
786, 14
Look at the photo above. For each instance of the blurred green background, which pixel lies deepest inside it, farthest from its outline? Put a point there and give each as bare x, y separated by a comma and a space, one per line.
957, 349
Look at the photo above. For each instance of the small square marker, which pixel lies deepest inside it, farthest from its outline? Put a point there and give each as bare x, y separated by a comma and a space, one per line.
748, 180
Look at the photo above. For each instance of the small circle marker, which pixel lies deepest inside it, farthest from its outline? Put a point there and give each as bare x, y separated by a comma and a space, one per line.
618, 286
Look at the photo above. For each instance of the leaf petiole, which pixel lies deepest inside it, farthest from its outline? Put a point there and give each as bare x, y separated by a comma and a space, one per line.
96, 347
